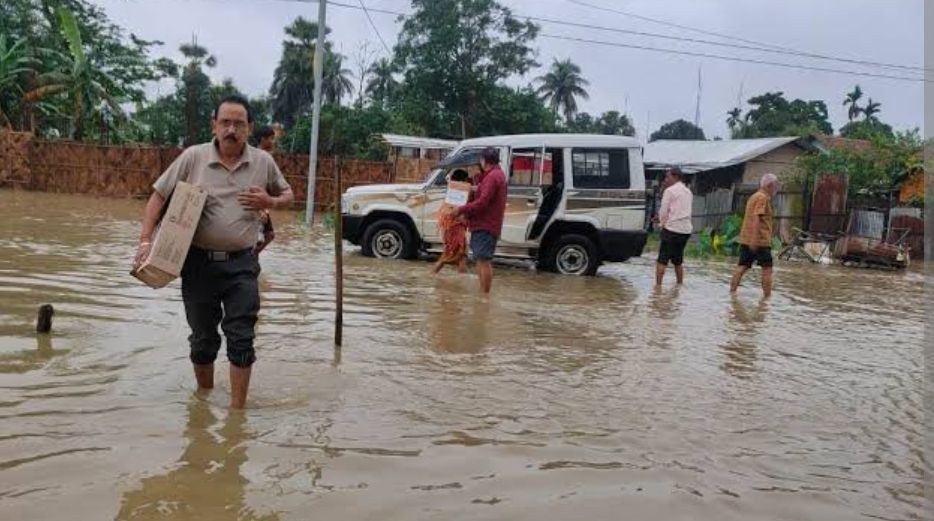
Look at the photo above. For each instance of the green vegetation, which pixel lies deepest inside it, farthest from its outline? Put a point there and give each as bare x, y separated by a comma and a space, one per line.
874, 171
678, 129
68, 72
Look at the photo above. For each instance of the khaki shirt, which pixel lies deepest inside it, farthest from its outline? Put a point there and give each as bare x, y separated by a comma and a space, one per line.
758, 208
225, 224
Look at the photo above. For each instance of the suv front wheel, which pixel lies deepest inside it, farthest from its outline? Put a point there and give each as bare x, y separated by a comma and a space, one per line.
573, 254
388, 239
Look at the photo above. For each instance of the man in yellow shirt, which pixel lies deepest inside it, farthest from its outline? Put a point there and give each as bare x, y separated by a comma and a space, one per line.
755, 239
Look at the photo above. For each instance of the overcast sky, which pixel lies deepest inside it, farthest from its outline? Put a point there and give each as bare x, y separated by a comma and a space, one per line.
652, 87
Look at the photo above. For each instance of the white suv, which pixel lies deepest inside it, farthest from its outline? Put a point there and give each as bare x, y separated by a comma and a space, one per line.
574, 201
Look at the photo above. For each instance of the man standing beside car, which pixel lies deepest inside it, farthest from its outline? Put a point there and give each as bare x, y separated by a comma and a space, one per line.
485, 215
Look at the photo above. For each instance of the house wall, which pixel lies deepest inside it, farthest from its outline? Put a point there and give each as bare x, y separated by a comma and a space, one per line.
913, 187
780, 162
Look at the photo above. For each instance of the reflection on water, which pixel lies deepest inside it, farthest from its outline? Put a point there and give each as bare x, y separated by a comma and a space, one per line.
741, 343
556, 398
206, 483
30, 359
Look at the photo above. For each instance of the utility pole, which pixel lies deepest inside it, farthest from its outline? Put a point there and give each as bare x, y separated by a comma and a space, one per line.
697, 106
315, 116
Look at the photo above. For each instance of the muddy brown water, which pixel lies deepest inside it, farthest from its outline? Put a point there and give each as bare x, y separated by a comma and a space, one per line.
560, 398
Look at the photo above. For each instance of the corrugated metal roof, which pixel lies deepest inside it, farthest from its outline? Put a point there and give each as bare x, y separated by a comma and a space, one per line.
700, 156
398, 140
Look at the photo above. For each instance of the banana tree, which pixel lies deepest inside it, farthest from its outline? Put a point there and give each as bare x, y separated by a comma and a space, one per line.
83, 84
14, 63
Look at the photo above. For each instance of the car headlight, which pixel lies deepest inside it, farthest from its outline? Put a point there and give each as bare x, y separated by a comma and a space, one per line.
345, 204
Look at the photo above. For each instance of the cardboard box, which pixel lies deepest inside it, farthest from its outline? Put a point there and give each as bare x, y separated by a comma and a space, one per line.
458, 193
173, 238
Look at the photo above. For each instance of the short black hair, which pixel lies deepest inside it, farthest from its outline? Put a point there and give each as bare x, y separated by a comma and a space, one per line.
262, 133
490, 155
675, 171
239, 100
460, 175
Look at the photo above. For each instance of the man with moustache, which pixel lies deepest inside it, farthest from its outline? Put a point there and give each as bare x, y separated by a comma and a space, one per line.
219, 278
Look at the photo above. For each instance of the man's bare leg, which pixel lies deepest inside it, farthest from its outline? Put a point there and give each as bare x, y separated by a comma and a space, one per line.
767, 282
239, 385
659, 273
485, 272
437, 267
204, 375
462, 265
737, 277
679, 273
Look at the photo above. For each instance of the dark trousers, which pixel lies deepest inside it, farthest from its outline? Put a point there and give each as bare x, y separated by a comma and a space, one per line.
221, 292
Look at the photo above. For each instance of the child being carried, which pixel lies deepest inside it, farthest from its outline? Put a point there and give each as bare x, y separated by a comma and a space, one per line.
453, 227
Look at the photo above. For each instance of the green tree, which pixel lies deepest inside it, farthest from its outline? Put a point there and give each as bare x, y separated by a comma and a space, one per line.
87, 88
196, 92
292, 90
518, 111
349, 132
615, 124
872, 108
453, 54
678, 129
14, 65
873, 171
772, 115
735, 120
852, 98
582, 123
335, 79
609, 123
382, 84
561, 87
116, 62
866, 129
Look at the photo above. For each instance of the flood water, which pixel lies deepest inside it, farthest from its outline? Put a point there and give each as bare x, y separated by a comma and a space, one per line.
560, 398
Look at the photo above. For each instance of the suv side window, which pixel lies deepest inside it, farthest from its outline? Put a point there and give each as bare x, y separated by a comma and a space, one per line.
600, 168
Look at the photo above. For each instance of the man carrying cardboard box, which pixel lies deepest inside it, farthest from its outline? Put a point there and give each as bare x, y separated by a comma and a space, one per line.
219, 283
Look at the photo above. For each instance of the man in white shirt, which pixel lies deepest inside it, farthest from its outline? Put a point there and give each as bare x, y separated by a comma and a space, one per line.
675, 220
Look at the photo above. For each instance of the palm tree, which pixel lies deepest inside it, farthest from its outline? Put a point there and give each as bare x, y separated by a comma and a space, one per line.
734, 120
335, 79
196, 84
292, 89
382, 83
561, 87
851, 99
872, 108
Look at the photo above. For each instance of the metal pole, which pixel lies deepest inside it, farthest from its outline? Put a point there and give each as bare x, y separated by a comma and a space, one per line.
338, 257
315, 116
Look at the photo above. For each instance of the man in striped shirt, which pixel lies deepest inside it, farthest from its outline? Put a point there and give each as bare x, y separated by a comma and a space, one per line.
675, 220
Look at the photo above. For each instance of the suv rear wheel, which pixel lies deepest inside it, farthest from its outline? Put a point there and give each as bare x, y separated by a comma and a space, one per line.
573, 254
388, 239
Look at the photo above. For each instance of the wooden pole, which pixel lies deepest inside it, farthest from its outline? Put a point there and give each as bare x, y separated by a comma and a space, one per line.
338, 256
44, 318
